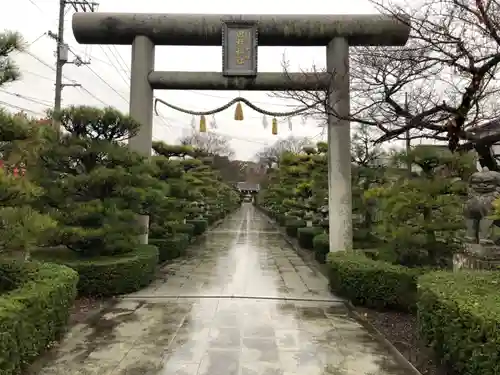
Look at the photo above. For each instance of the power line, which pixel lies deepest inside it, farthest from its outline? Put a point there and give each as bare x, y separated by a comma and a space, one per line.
127, 81
36, 5
37, 75
36, 40
102, 79
28, 98
94, 96
41, 61
20, 108
73, 82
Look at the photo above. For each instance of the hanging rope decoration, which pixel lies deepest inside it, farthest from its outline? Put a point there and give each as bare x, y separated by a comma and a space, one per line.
238, 114
264, 122
213, 123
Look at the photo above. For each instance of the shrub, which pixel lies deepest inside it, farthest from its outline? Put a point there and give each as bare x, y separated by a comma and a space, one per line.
321, 247
171, 248
364, 239
200, 226
280, 219
459, 317
212, 217
306, 236
292, 225
34, 313
372, 283
108, 276
184, 228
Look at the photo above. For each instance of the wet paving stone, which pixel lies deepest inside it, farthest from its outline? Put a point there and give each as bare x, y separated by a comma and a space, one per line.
241, 303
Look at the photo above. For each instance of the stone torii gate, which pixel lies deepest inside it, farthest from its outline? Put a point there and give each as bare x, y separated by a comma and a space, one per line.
240, 35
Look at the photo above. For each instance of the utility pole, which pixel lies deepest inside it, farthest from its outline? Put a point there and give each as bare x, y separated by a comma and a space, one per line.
62, 50
61, 58
407, 135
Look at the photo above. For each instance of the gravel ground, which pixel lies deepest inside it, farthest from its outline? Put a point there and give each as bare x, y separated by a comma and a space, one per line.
401, 330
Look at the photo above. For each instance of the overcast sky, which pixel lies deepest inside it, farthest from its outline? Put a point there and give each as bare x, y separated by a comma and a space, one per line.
33, 18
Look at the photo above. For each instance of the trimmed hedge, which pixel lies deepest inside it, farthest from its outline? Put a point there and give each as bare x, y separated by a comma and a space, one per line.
171, 248
372, 283
184, 228
459, 318
321, 247
212, 217
281, 219
292, 225
200, 226
306, 236
35, 313
109, 276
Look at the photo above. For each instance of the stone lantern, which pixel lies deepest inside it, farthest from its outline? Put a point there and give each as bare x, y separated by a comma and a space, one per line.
202, 207
324, 212
308, 217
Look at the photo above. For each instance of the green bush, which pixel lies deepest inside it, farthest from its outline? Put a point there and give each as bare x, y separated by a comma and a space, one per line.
372, 283
187, 228
321, 247
212, 217
200, 226
171, 248
459, 318
292, 225
34, 313
108, 276
364, 239
306, 236
280, 219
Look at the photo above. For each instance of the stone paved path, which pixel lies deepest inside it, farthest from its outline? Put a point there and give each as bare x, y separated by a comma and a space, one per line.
243, 303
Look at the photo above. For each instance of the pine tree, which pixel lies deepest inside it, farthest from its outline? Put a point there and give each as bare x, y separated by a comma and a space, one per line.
21, 227
94, 185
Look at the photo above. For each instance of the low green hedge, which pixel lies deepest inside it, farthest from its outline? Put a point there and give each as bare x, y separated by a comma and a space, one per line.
292, 225
200, 226
108, 276
459, 318
321, 247
372, 283
35, 313
171, 248
212, 217
281, 219
183, 228
306, 236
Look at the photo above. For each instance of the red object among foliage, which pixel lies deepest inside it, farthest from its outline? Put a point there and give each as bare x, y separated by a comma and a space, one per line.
22, 171
15, 171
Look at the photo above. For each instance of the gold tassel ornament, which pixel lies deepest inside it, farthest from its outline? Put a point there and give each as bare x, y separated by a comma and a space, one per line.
203, 124
275, 126
238, 113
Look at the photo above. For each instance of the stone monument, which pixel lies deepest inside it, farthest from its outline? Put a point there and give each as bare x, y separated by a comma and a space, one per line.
481, 248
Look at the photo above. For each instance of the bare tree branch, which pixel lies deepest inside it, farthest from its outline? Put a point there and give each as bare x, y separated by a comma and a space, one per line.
270, 155
447, 69
210, 142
